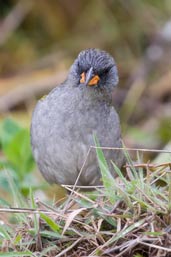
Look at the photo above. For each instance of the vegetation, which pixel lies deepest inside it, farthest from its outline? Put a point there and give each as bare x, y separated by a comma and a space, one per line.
18, 158
129, 215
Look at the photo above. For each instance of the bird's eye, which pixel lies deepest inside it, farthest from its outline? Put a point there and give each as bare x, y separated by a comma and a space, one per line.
105, 72
83, 77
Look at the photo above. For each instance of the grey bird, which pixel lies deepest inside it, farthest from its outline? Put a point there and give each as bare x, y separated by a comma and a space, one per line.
64, 122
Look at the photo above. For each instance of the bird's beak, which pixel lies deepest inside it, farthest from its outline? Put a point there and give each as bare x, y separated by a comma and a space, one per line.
88, 78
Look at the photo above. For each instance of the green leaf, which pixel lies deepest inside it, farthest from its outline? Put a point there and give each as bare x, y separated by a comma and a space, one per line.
125, 231
138, 255
17, 254
50, 234
8, 128
52, 224
154, 234
107, 178
17, 239
19, 154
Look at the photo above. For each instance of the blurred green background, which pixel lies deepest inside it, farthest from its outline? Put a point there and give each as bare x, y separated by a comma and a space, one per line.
39, 39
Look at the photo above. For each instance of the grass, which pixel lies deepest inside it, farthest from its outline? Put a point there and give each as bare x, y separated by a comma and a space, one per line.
128, 216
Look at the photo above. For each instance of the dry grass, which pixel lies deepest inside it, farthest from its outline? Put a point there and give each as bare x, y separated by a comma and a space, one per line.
134, 221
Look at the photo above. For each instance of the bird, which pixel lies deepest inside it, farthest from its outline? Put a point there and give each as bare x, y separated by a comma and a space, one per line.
64, 122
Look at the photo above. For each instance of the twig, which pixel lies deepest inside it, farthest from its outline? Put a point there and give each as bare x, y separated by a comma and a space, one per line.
132, 149
155, 246
80, 195
68, 248
148, 165
27, 210
73, 189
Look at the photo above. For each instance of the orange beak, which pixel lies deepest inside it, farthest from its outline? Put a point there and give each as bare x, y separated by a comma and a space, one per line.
89, 78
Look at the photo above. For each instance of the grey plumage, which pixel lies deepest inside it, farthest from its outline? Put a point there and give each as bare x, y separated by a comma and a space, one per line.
64, 122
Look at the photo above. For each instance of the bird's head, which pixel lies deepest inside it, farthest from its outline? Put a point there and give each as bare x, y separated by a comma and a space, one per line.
94, 68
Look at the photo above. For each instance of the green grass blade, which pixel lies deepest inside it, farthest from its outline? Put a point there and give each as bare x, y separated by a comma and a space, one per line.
107, 178
51, 223
16, 254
